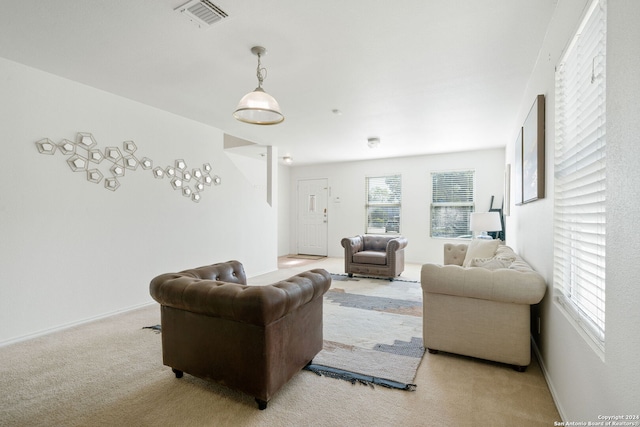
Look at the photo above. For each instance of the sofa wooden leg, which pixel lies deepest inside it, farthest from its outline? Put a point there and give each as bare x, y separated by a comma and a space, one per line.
262, 405
520, 368
178, 373
432, 351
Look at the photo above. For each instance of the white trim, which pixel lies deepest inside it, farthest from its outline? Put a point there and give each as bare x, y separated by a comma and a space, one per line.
547, 377
72, 324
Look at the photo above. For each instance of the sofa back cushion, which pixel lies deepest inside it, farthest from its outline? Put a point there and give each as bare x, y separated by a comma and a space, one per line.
375, 242
454, 254
255, 305
229, 272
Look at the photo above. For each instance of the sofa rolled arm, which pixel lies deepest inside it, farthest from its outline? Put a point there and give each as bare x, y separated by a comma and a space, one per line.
257, 305
352, 245
505, 285
396, 244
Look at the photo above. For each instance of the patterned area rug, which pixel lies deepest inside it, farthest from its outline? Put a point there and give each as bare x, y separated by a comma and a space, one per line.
372, 332
345, 277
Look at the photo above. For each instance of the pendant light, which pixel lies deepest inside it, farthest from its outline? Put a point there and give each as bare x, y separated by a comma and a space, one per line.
258, 107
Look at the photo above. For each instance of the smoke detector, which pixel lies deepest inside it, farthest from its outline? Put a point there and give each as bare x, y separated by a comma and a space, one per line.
202, 13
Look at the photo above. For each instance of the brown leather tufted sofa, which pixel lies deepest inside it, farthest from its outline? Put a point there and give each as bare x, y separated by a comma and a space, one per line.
249, 338
374, 255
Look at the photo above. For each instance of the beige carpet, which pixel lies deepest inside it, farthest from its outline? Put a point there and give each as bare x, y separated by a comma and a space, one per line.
110, 373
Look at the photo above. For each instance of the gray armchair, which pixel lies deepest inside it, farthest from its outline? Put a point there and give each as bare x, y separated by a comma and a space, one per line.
374, 255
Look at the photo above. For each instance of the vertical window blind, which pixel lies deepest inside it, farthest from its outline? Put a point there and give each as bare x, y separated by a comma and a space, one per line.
580, 176
452, 202
384, 196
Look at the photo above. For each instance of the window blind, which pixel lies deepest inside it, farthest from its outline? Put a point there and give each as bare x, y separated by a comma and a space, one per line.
384, 195
452, 203
580, 176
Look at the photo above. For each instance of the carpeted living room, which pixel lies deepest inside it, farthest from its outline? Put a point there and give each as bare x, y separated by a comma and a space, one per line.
110, 372
136, 171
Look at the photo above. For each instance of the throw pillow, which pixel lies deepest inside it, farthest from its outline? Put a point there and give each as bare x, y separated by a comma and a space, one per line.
505, 251
480, 248
493, 263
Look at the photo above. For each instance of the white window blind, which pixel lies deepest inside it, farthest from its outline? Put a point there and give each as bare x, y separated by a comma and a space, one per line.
452, 203
384, 196
580, 176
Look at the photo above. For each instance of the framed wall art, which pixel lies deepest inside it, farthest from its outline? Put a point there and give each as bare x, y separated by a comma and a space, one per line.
517, 171
533, 153
507, 191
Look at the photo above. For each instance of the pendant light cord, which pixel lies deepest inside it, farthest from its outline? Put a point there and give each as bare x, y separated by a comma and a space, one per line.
261, 73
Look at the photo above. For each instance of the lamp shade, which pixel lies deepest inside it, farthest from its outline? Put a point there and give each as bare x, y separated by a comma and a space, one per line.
258, 108
485, 221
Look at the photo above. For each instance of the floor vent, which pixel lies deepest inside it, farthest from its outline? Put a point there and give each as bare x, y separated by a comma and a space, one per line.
202, 13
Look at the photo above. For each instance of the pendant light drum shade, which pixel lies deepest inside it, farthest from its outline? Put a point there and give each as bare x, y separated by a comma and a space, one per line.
258, 107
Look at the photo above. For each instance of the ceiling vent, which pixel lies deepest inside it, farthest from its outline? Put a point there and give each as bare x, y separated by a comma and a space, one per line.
202, 13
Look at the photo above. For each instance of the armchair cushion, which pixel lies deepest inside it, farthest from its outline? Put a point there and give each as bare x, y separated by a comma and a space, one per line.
370, 257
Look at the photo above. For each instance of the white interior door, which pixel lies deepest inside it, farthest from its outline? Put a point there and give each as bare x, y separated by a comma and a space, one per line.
312, 216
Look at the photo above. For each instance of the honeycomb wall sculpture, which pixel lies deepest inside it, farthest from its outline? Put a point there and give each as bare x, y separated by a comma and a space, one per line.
111, 164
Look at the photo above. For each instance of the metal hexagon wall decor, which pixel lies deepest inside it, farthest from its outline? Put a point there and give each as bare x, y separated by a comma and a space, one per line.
112, 164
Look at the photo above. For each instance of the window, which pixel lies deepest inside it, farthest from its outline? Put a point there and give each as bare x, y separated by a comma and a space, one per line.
580, 191
384, 194
452, 203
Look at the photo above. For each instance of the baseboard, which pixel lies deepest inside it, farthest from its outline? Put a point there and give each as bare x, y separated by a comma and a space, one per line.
547, 378
72, 324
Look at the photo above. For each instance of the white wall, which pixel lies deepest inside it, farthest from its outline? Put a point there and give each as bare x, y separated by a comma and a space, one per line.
347, 181
284, 210
72, 250
585, 386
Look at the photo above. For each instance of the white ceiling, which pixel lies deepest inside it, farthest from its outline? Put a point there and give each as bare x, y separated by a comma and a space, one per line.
424, 76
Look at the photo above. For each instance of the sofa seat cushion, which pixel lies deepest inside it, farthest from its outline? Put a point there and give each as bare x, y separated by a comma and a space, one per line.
370, 257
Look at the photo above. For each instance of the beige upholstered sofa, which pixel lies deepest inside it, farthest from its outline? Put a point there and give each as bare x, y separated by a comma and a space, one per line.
374, 255
478, 303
